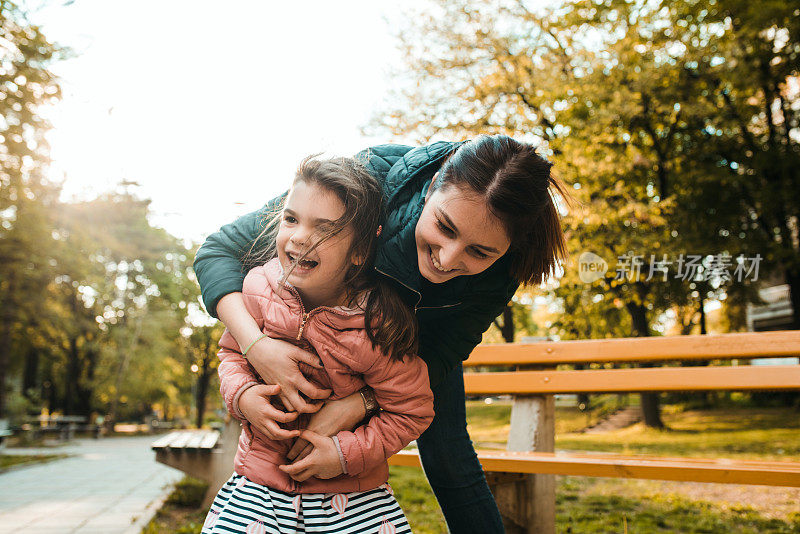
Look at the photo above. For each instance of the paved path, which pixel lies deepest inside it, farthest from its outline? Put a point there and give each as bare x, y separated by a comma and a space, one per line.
104, 488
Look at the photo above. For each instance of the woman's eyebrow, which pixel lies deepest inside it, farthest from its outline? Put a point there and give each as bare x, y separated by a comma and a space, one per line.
450, 223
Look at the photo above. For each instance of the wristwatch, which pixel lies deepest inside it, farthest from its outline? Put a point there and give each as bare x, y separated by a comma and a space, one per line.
370, 404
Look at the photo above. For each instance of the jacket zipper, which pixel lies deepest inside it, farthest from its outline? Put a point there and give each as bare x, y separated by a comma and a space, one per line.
438, 307
302, 324
419, 295
306, 315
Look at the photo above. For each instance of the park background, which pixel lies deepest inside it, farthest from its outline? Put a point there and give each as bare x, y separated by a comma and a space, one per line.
129, 133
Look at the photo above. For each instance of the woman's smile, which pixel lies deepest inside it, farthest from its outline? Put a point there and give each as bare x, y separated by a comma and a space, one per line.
457, 235
436, 264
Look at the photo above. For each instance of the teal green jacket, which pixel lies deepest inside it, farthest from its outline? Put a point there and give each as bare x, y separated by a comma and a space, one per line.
452, 316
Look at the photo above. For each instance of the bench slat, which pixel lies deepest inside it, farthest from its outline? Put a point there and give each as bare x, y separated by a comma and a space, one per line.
180, 440
209, 440
163, 441
702, 347
195, 440
740, 378
615, 466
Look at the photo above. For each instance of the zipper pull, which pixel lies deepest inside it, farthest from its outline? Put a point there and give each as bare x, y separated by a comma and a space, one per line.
302, 326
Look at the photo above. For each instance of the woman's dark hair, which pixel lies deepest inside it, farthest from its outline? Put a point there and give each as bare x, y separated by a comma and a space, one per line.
390, 324
518, 188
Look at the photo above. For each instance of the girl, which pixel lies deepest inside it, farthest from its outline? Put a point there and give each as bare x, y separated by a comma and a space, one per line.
466, 224
318, 291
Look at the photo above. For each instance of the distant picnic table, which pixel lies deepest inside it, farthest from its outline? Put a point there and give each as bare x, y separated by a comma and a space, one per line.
63, 427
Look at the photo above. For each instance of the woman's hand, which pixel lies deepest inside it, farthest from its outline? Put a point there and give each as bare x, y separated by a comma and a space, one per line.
255, 405
333, 417
322, 462
277, 362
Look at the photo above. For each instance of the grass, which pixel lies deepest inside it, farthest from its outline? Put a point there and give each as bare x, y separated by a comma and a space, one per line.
181, 513
765, 433
579, 509
12, 460
589, 505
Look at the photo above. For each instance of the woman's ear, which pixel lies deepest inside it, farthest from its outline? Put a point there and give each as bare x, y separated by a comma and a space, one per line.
428, 188
357, 258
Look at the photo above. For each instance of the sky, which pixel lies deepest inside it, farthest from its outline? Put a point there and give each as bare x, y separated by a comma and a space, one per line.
210, 106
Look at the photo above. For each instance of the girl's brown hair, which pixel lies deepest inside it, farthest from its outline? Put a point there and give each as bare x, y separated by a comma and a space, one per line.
390, 324
520, 191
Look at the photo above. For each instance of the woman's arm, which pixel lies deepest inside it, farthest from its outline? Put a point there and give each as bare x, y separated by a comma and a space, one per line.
246, 399
406, 401
275, 361
403, 393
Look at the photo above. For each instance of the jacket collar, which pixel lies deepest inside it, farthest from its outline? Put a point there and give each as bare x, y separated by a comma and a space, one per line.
286, 292
404, 190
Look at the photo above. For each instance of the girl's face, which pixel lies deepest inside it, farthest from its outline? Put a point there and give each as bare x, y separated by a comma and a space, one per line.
457, 234
307, 215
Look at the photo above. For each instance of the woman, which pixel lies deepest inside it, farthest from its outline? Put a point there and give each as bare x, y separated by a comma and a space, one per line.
466, 223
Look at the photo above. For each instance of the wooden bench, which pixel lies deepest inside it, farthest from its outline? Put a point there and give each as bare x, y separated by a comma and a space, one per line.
522, 477
204, 454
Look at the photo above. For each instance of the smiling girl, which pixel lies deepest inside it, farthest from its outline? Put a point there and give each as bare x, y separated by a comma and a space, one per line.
466, 224
317, 291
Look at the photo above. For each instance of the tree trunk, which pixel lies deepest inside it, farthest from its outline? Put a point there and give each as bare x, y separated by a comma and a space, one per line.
507, 330
702, 315
30, 374
111, 420
202, 392
5, 349
72, 378
651, 412
5, 340
84, 389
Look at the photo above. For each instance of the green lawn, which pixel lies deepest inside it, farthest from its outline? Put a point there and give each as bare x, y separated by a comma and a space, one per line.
9, 460
768, 434
590, 505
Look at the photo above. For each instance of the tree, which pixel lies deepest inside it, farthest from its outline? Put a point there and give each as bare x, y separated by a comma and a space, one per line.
202, 344
26, 85
646, 110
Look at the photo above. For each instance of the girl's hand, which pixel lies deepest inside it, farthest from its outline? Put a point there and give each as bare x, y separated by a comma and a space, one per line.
277, 362
255, 405
335, 416
322, 462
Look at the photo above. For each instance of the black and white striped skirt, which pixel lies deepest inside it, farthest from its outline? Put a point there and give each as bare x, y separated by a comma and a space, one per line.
249, 508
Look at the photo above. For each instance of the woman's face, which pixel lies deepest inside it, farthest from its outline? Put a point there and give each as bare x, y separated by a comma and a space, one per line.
457, 234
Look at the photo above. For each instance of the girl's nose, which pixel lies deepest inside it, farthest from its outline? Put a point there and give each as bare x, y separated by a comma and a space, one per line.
299, 237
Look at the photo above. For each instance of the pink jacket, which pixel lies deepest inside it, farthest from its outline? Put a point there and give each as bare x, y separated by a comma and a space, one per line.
350, 362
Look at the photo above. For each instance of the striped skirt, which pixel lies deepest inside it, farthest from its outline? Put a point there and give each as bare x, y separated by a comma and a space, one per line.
249, 508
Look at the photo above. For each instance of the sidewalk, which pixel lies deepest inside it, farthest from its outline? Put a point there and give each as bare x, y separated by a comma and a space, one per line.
104, 488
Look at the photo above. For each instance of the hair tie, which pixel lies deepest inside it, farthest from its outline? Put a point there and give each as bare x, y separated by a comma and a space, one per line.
380, 228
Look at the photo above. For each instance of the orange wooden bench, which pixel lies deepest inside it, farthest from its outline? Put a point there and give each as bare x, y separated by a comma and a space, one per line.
522, 476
